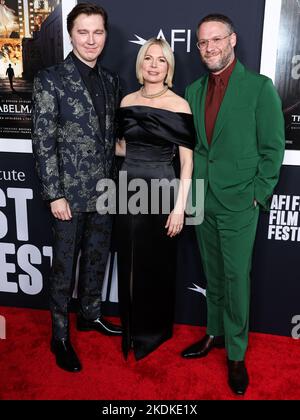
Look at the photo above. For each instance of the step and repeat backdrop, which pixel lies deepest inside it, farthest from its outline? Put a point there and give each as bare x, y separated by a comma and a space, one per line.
36, 37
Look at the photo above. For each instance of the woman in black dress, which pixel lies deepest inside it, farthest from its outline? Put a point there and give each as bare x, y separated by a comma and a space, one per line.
154, 124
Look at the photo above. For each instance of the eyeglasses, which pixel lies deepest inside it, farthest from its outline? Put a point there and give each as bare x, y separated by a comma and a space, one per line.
216, 41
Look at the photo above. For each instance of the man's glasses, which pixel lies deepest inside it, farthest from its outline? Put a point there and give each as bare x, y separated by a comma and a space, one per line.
216, 42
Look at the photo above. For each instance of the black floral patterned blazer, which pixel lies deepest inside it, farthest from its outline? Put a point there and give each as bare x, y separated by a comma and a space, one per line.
70, 151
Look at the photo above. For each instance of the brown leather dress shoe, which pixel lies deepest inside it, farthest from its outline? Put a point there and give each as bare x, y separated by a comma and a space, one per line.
203, 347
237, 376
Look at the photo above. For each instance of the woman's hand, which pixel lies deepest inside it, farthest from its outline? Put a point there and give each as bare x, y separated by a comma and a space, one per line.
176, 218
120, 149
175, 223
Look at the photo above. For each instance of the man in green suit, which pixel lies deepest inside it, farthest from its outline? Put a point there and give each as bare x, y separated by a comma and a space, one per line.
239, 151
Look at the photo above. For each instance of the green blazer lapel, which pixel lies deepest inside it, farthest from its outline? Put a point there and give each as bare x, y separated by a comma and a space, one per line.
229, 100
200, 110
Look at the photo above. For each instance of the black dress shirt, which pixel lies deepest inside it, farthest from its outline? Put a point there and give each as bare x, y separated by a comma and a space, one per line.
92, 81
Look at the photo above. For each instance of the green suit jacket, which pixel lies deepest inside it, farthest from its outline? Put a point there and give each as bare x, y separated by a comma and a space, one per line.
246, 152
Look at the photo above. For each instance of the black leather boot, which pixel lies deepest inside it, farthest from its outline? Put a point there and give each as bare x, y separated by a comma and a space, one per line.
203, 347
66, 357
99, 324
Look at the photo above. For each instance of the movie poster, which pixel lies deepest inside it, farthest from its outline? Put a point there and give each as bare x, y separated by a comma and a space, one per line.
27, 31
280, 60
287, 76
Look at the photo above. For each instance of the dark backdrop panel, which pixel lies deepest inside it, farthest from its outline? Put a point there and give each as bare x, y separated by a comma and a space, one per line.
191, 282
275, 274
26, 247
177, 20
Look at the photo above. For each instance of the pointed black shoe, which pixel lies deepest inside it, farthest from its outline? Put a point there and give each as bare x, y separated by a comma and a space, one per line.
238, 378
99, 324
203, 347
66, 358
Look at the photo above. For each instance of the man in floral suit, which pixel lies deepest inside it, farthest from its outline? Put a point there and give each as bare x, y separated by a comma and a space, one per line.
74, 107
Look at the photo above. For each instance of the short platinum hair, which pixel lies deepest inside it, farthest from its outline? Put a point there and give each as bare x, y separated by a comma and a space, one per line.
168, 54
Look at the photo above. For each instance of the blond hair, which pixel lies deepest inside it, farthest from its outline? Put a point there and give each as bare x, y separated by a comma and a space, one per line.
168, 54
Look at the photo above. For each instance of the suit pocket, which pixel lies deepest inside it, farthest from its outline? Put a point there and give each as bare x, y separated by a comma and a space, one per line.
248, 163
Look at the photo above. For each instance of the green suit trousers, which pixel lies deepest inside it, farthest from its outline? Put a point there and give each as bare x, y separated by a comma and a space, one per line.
226, 240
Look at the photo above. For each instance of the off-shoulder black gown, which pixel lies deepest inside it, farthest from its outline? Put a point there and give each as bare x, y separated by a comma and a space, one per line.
146, 255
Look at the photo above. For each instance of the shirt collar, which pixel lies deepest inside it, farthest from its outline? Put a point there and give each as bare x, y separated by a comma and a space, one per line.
83, 68
225, 74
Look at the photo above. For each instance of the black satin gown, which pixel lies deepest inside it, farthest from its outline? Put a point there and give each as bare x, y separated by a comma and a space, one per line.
146, 255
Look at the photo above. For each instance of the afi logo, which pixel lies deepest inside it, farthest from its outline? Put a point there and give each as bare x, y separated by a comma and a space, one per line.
296, 329
198, 289
177, 35
2, 328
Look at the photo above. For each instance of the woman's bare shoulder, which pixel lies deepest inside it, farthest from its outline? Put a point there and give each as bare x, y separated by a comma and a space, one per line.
129, 99
179, 104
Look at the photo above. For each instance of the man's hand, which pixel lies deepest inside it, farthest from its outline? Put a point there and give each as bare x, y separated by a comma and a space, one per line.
60, 209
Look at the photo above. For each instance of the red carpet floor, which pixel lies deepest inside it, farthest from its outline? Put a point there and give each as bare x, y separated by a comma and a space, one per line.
28, 370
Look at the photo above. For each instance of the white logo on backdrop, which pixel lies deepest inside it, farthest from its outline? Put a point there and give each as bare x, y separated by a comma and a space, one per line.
20, 255
284, 220
296, 329
198, 289
181, 36
139, 41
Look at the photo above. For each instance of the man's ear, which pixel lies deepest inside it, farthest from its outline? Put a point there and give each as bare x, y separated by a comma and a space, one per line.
233, 39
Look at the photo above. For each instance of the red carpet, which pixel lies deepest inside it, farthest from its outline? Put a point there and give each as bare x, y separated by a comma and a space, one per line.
28, 370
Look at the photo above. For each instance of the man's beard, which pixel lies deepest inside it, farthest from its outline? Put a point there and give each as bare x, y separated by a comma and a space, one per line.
223, 62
